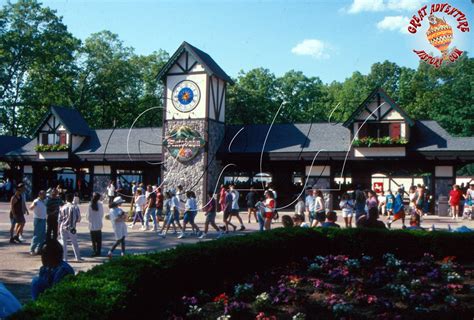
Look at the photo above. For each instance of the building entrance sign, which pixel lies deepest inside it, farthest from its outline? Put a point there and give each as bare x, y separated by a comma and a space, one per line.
184, 143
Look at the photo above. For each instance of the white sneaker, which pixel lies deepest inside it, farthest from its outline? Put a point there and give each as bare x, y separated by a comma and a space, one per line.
203, 236
163, 235
21, 238
181, 236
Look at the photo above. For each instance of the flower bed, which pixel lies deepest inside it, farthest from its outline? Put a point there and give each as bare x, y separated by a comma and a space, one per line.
132, 286
339, 287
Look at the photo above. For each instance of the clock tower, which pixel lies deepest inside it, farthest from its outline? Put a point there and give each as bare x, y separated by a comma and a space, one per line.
193, 120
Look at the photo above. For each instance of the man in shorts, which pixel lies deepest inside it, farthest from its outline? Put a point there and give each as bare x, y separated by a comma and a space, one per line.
17, 214
227, 211
235, 206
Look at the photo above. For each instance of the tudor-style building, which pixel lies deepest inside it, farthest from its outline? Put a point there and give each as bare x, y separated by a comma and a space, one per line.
378, 143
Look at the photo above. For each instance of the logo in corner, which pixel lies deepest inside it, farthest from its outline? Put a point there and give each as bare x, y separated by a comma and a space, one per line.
440, 33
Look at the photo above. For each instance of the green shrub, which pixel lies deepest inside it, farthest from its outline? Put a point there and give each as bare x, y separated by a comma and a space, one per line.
51, 147
134, 286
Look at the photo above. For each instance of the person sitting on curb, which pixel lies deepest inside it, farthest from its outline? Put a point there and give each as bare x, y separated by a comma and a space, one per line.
331, 218
54, 268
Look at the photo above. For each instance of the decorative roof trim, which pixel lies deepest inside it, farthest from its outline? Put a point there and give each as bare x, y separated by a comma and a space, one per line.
387, 98
199, 56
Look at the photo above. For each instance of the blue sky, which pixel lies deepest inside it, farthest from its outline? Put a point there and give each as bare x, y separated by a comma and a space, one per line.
341, 36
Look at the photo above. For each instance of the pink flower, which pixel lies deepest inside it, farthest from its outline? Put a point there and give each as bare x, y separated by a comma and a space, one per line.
371, 299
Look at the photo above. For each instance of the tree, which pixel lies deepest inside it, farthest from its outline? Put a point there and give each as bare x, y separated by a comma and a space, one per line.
115, 86
253, 98
303, 96
36, 64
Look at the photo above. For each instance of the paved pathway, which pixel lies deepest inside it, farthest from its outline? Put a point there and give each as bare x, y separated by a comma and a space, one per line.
17, 267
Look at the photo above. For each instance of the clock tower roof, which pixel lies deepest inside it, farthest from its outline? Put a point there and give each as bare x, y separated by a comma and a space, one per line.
203, 58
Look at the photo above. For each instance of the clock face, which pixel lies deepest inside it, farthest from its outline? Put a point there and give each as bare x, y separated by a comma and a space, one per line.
186, 95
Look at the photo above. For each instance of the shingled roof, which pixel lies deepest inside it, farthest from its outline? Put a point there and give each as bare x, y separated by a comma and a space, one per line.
427, 136
70, 118
106, 142
211, 67
296, 137
10, 143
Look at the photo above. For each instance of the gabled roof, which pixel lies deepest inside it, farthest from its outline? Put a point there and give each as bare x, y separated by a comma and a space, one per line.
70, 118
211, 67
10, 143
387, 98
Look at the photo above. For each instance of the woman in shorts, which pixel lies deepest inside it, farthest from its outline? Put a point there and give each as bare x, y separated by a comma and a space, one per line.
347, 207
320, 209
269, 208
189, 214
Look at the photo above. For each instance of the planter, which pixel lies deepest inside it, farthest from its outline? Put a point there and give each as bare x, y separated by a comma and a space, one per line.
51, 155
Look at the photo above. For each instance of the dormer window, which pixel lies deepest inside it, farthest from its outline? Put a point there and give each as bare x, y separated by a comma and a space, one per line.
380, 130
54, 138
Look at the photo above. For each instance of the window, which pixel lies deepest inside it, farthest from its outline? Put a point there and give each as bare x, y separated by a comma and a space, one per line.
44, 138
62, 137
380, 130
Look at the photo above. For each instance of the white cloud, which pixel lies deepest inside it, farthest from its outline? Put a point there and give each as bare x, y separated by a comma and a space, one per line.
385, 5
366, 5
312, 47
401, 5
393, 23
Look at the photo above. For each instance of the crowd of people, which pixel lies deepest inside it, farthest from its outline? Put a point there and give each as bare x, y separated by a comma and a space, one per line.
56, 219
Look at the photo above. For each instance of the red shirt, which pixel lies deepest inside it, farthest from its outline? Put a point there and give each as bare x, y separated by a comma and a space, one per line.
455, 197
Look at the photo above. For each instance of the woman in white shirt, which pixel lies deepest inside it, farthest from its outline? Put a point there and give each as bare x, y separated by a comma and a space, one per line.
118, 217
95, 215
139, 203
190, 213
347, 207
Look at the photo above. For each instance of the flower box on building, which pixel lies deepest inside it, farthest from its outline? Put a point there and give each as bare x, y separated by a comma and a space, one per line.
379, 142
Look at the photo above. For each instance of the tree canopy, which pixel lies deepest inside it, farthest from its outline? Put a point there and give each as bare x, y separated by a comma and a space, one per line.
43, 64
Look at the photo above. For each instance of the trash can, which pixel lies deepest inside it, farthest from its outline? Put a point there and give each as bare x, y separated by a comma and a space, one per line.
443, 206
